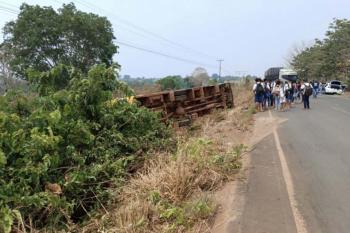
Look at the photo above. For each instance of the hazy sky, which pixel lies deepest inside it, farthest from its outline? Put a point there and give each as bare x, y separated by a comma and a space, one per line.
250, 35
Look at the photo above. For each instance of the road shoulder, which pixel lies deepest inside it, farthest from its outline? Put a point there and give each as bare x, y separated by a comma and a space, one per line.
258, 201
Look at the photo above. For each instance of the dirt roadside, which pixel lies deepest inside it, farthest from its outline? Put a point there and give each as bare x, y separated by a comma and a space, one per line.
231, 197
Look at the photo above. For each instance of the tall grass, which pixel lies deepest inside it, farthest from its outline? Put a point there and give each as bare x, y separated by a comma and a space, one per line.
171, 194
173, 191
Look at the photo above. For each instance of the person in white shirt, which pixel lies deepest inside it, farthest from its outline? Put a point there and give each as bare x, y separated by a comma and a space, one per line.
306, 90
283, 99
276, 92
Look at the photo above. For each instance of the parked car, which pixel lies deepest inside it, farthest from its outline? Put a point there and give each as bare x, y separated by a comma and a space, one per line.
334, 87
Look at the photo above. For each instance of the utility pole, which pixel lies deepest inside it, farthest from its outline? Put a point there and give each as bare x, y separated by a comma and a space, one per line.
220, 61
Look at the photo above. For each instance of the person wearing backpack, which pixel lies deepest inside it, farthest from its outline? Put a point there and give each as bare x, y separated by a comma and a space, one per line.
267, 94
307, 91
259, 93
276, 92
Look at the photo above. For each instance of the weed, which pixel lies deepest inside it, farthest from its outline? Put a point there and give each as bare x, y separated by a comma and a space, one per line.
173, 213
230, 161
239, 150
202, 208
172, 192
154, 197
194, 127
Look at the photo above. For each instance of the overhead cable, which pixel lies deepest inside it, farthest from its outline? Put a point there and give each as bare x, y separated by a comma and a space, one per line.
163, 54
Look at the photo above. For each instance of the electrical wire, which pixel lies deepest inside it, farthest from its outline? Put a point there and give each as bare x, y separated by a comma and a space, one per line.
141, 29
147, 32
9, 4
128, 44
163, 54
8, 9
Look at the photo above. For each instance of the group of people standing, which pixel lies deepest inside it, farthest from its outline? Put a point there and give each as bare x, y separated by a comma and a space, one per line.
281, 94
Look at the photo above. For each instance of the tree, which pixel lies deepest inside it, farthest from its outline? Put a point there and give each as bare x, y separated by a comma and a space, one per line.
8, 80
199, 77
41, 38
215, 76
5, 71
172, 82
77, 137
328, 58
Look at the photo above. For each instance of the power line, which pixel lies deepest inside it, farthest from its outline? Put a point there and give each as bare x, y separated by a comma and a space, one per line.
163, 54
128, 23
149, 33
134, 46
9, 4
143, 30
121, 26
139, 29
9, 7
127, 44
8, 10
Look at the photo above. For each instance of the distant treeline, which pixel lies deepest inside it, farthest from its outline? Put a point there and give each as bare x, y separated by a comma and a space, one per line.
175, 82
327, 58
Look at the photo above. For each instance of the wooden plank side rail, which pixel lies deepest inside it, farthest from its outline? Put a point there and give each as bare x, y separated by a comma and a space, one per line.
182, 106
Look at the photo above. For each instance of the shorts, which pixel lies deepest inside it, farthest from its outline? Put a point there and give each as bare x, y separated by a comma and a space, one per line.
259, 98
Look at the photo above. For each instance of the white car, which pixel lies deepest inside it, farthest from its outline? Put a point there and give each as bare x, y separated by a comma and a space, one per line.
334, 87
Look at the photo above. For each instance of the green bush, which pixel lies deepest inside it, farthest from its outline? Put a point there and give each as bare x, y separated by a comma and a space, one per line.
76, 138
172, 83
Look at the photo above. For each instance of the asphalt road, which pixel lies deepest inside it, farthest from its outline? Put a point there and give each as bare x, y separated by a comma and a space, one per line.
316, 149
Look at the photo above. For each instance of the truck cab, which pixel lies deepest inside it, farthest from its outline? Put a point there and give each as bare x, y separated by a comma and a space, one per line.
283, 74
288, 75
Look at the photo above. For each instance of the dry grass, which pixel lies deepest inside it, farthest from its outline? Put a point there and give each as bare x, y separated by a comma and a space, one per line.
243, 95
172, 193
160, 198
232, 122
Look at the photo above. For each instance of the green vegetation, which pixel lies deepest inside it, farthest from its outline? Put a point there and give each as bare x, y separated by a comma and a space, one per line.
174, 191
42, 38
172, 83
63, 150
68, 146
147, 85
328, 58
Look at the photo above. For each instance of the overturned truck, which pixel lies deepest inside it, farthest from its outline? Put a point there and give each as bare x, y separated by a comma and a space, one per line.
183, 106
